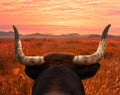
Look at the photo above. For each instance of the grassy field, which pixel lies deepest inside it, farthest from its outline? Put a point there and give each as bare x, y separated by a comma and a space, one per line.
13, 80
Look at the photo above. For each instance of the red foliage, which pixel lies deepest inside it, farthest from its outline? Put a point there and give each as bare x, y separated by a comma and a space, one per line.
13, 81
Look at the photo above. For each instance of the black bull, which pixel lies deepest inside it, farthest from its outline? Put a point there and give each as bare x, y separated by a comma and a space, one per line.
60, 73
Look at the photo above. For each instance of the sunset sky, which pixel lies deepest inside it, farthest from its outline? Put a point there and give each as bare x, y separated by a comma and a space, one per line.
60, 16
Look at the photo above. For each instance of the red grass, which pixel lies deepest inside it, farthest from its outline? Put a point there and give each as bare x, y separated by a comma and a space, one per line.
13, 81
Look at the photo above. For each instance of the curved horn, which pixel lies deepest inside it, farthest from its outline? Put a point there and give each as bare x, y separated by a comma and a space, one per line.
25, 60
95, 57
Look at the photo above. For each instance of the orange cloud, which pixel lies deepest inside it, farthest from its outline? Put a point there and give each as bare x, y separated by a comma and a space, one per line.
73, 13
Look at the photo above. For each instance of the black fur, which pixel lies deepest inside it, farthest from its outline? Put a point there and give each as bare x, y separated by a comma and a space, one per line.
59, 74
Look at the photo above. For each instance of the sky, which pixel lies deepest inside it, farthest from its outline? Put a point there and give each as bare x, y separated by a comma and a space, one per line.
60, 16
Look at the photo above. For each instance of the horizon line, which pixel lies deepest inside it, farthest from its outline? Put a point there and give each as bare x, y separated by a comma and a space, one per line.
59, 34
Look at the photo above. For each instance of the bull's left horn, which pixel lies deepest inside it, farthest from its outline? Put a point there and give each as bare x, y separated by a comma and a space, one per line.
25, 60
95, 57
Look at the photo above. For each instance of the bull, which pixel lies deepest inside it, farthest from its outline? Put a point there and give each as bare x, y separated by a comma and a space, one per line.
60, 73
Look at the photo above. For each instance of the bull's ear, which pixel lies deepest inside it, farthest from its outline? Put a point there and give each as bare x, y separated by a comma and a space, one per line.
34, 71
88, 71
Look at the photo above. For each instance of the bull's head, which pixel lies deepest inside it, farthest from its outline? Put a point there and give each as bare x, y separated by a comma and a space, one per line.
60, 73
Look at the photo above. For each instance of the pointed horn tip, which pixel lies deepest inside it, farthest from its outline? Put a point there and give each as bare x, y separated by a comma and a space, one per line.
13, 26
15, 29
107, 28
105, 32
108, 25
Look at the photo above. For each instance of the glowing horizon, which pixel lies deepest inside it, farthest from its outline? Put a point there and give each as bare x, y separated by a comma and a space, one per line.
60, 17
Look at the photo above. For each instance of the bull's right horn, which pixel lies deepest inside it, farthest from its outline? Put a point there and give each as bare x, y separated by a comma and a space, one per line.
95, 57
25, 60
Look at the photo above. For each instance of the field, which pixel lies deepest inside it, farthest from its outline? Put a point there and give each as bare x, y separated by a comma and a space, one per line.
13, 80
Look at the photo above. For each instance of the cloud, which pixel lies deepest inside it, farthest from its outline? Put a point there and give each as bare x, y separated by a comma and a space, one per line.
84, 13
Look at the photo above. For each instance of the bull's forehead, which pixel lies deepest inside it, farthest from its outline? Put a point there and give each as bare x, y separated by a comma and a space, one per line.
56, 93
59, 57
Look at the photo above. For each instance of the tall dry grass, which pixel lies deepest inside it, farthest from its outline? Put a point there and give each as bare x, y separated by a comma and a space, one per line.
13, 80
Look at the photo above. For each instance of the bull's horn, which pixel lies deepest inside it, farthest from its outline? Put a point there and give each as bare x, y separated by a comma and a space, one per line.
25, 60
95, 57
